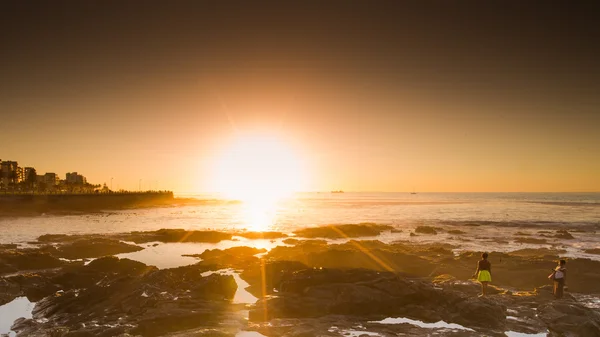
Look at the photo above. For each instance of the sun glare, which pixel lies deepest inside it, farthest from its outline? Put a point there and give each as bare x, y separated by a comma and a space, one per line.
259, 170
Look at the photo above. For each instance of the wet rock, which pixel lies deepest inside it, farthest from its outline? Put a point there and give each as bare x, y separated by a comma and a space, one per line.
56, 238
593, 251
321, 292
290, 241
470, 287
35, 286
543, 253
531, 241
125, 296
373, 255
104, 269
523, 269
271, 273
343, 231
479, 311
12, 260
426, 230
175, 235
234, 252
159, 324
563, 234
570, 318
161, 235
456, 232
235, 257
8, 291
91, 248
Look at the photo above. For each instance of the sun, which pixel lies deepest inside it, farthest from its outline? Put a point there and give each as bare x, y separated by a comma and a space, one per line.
258, 169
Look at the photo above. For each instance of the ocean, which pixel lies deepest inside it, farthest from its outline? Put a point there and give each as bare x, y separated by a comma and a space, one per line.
485, 216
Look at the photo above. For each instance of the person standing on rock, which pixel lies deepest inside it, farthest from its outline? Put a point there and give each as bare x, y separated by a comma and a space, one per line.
483, 273
559, 276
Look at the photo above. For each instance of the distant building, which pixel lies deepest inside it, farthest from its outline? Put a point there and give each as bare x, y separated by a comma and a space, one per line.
20, 174
9, 173
28, 171
51, 179
74, 178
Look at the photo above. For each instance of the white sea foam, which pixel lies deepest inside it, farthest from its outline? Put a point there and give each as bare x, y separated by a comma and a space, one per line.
522, 334
353, 332
436, 325
249, 334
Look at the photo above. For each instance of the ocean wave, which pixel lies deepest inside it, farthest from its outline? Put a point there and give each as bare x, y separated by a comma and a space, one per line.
566, 203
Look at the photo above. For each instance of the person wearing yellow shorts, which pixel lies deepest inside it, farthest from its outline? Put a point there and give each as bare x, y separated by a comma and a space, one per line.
483, 273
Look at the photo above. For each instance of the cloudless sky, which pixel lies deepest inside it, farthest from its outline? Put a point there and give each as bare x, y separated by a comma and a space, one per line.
371, 95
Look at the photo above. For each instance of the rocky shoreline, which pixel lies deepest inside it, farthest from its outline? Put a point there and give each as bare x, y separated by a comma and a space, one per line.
306, 286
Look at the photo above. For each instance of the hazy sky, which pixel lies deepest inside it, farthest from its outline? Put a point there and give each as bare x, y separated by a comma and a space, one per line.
371, 95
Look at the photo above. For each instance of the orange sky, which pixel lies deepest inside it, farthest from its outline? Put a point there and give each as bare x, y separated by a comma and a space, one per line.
367, 100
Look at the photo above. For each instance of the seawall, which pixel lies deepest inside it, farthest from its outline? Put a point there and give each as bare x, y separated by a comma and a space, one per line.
11, 204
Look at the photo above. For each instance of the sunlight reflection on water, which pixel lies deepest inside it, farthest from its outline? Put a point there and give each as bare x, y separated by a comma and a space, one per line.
317, 209
169, 255
249, 334
9, 312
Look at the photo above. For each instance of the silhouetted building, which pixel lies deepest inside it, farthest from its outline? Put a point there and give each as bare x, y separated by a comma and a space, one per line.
9, 173
20, 174
74, 178
28, 171
51, 179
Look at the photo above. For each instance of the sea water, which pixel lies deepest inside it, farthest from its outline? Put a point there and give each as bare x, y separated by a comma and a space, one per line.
498, 214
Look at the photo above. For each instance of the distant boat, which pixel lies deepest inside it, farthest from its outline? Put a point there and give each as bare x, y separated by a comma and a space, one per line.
413, 192
338, 191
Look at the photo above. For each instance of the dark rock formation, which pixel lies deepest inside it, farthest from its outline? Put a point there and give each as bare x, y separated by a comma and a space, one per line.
266, 276
563, 234
137, 299
593, 251
161, 235
425, 230
175, 235
343, 231
12, 260
531, 240
321, 292
456, 232
235, 257
373, 255
290, 241
90, 248
569, 318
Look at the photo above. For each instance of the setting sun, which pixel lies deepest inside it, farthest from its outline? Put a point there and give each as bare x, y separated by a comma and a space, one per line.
258, 169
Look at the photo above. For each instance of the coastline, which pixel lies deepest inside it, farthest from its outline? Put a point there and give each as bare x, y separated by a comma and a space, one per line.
302, 278
30, 205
